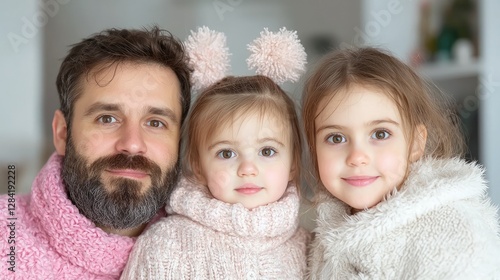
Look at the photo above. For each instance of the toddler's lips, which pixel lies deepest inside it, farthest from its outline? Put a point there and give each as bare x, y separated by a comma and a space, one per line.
248, 189
360, 181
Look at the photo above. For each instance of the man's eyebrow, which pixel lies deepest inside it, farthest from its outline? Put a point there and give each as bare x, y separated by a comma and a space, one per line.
99, 106
108, 107
164, 112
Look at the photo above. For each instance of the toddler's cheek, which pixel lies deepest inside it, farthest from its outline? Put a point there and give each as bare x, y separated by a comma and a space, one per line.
220, 179
278, 178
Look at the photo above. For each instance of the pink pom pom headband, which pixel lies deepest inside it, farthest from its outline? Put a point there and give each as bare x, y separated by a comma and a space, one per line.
279, 56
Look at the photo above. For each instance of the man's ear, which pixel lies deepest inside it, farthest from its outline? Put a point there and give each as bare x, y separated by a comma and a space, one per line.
59, 132
419, 142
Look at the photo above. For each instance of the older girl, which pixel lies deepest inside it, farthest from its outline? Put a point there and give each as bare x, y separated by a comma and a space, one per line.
394, 200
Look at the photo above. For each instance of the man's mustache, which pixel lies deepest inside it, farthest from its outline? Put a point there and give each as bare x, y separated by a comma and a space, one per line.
123, 161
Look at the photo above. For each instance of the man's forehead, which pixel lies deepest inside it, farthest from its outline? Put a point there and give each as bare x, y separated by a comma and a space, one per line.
146, 74
133, 83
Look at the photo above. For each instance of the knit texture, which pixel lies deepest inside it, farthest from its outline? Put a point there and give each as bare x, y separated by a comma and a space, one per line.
53, 240
440, 225
205, 238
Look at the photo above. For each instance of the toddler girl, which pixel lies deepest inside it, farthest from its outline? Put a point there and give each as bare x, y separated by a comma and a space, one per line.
394, 200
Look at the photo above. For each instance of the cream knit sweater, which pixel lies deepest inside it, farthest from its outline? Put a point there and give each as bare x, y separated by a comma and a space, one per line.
204, 238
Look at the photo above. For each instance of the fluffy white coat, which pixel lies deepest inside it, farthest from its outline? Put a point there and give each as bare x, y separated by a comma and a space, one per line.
440, 225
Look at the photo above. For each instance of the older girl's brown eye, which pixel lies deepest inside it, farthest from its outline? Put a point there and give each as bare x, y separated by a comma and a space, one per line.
380, 134
336, 139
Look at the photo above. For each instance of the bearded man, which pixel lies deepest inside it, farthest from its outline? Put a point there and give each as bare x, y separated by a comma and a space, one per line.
124, 95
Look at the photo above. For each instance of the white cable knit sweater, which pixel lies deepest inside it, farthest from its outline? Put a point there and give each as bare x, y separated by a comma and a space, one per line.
441, 225
204, 238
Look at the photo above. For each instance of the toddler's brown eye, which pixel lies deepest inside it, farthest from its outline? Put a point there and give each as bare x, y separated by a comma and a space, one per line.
225, 154
337, 139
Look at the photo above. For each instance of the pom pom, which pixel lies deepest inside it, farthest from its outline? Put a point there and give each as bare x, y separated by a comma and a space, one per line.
208, 56
279, 56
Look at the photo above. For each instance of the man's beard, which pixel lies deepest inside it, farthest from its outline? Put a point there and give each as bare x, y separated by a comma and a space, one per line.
126, 203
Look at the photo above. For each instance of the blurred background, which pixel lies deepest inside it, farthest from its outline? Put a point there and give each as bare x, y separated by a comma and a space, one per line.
452, 43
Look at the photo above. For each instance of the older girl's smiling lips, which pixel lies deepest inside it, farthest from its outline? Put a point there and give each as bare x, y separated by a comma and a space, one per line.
360, 181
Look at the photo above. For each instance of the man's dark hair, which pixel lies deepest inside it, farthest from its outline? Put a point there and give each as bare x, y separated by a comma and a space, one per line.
114, 46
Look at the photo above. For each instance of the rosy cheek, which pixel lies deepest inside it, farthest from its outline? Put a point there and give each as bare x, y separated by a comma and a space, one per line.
395, 169
219, 179
277, 176
323, 165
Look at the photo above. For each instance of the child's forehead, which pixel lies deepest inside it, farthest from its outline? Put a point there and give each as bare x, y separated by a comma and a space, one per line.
264, 124
358, 102
354, 93
256, 117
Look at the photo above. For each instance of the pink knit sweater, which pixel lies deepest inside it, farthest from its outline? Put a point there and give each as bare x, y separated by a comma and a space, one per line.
52, 239
205, 238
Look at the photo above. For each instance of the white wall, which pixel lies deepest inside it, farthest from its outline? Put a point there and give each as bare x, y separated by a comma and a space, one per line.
490, 95
21, 31
391, 24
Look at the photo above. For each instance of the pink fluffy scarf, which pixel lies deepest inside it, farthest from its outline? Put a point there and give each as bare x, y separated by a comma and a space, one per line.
54, 241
